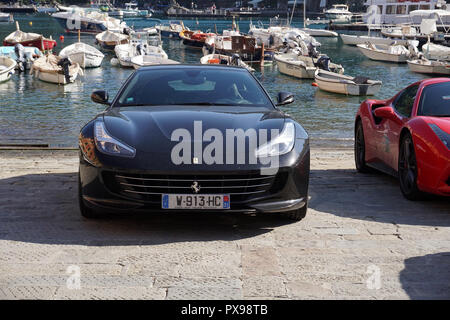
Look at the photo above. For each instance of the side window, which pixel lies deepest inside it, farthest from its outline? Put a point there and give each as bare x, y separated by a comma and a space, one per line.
405, 101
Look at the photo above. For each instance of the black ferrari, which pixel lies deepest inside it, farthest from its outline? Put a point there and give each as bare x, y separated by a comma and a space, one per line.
193, 138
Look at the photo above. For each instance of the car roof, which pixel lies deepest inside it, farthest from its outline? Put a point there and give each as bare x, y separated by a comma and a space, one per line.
427, 82
191, 66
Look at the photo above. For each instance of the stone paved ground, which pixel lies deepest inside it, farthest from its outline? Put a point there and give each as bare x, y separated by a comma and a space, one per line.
357, 227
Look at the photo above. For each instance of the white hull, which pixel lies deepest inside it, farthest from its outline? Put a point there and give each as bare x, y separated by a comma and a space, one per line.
46, 69
353, 40
7, 66
436, 52
86, 56
429, 67
125, 52
382, 55
319, 32
332, 82
145, 61
301, 67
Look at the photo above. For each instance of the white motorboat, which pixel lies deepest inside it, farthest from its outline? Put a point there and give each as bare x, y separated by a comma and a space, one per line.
395, 53
300, 66
353, 40
85, 55
88, 21
6, 17
131, 11
142, 45
343, 84
319, 32
429, 67
436, 52
223, 59
338, 12
108, 40
51, 68
7, 66
149, 60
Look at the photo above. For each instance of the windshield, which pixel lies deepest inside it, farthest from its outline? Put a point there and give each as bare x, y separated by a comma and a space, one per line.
435, 100
193, 86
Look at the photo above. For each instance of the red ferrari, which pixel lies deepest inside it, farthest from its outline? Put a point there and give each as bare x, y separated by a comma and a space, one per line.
408, 136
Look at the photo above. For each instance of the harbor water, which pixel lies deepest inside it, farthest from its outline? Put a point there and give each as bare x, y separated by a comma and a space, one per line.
35, 112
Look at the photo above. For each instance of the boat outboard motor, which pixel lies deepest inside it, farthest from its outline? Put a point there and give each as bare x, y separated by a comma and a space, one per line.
235, 58
65, 63
323, 63
126, 31
19, 50
140, 49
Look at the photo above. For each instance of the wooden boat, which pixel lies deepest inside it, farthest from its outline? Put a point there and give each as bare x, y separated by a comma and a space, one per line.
245, 46
223, 59
7, 66
29, 40
194, 39
339, 83
429, 67
353, 40
47, 69
147, 60
85, 55
301, 67
436, 52
108, 40
394, 53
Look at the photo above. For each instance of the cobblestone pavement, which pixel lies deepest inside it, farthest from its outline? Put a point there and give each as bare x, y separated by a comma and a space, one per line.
360, 240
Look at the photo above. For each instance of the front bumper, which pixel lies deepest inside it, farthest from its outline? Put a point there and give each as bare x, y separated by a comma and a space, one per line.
288, 190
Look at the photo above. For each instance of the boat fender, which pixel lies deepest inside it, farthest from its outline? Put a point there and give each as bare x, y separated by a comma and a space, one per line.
65, 63
314, 84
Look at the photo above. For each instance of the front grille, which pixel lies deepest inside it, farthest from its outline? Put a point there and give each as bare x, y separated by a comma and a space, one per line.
148, 187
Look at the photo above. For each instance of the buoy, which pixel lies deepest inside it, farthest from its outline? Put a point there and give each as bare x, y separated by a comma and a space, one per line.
114, 62
61, 38
31, 23
314, 84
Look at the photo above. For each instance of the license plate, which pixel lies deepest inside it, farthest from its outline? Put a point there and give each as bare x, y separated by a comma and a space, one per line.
195, 201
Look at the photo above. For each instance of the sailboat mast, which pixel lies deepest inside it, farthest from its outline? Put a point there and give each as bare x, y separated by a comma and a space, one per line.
304, 13
292, 15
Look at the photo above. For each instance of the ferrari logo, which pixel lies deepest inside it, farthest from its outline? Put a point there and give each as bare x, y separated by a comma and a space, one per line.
195, 187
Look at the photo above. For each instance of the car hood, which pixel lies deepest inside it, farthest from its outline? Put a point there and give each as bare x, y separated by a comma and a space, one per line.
149, 129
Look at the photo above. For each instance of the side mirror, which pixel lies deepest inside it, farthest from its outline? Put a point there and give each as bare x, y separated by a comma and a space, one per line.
100, 96
386, 113
285, 98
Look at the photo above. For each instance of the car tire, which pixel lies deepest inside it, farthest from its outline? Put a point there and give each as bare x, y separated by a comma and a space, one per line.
360, 149
407, 169
298, 214
85, 211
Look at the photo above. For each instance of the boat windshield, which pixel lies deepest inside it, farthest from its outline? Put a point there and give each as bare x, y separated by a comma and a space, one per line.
193, 86
435, 100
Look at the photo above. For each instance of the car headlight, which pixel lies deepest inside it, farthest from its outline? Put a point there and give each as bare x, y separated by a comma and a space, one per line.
109, 145
444, 136
281, 144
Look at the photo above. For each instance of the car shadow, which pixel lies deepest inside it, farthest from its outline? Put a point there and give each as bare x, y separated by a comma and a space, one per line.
427, 277
43, 208
373, 197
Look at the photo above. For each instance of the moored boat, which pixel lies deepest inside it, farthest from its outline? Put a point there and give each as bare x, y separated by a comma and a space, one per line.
434, 51
54, 69
194, 39
343, 84
88, 21
28, 39
429, 67
140, 46
7, 66
148, 60
304, 67
85, 55
353, 40
388, 53
172, 29
108, 40
223, 59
